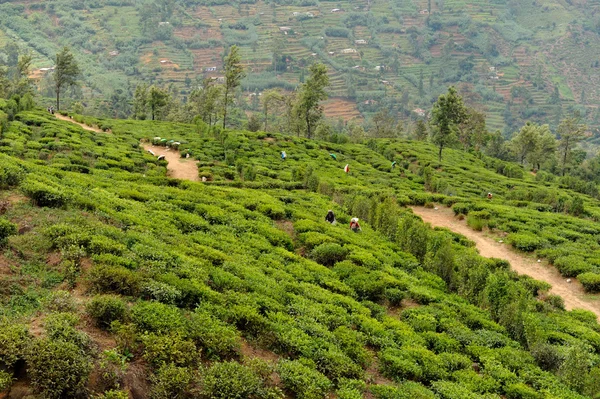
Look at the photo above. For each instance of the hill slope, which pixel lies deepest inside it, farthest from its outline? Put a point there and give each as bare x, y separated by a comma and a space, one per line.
515, 60
239, 279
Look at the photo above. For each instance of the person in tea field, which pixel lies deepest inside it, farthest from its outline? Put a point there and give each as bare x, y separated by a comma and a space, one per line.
330, 217
283, 155
354, 226
489, 196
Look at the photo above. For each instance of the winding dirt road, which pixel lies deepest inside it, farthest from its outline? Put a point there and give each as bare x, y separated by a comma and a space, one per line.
178, 168
84, 126
572, 293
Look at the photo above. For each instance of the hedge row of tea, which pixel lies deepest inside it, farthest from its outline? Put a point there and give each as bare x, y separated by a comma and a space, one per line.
238, 288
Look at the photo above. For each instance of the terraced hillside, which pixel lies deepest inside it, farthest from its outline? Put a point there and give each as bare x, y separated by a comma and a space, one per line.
508, 58
120, 282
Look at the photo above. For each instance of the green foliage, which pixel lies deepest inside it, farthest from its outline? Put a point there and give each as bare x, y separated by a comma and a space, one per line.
171, 348
104, 309
14, 340
57, 368
328, 254
302, 380
170, 382
571, 266
590, 281
114, 279
44, 195
527, 242
231, 380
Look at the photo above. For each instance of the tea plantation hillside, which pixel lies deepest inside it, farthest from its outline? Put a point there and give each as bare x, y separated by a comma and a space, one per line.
516, 60
120, 282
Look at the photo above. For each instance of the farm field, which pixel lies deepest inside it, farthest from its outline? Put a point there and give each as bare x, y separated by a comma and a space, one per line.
133, 284
507, 58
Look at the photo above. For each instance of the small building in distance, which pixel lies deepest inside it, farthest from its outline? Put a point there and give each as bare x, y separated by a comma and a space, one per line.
424, 12
163, 23
370, 102
284, 29
336, 10
360, 41
210, 69
419, 112
114, 53
348, 51
380, 68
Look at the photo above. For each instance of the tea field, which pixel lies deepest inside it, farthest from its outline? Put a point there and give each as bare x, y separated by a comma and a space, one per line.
120, 282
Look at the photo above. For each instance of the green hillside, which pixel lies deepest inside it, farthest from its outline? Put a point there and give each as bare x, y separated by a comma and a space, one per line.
117, 281
515, 61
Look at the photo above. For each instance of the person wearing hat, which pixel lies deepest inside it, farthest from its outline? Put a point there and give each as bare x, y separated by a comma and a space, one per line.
354, 226
330, 217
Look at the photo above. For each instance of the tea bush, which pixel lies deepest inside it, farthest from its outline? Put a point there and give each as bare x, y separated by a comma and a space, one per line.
104, 309
590, 281
329, 254
525, 241
57, 368
303, 381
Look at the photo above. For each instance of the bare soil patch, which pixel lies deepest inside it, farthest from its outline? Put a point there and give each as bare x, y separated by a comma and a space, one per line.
572, 293
178, 168
84, 126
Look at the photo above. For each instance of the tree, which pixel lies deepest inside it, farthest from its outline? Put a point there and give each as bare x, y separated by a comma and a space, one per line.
157, 99
383, 124
448, 113
545, 147
311, 93
473, 133
570, 132
140, 102
253, 123
66, 72
234, 73
421, 130
205, 101
525, 141
267, 98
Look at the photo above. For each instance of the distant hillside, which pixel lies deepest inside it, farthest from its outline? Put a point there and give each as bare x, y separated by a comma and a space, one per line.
515, 60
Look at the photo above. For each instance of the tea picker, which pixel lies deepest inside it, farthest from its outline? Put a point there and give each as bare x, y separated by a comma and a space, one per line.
347, 168
330, 217
283, 155
161, 157
354, 226
333, 156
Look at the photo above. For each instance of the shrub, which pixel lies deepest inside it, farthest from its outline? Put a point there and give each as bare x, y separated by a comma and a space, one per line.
114, 279
44, 195
170, 348
303, 381
170, 382
475, 223
407, 390
112, 366
10, 174
57, 368
59, 301
216, 338
157, 317
521, 391
328, 254
461, 208
572, 265
13, 342
7, 229
61, 326
590, 281
231, 380
6, 380
525, 241
413, 363
105, 309
113, 394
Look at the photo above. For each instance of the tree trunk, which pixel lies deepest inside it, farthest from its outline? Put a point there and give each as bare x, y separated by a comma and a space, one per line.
440, 153
225, 105
308, 134
266, 117
564, 165
57, 98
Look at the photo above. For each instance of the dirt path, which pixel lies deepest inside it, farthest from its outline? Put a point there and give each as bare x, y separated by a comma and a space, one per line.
178, 168
572, 293
84, 126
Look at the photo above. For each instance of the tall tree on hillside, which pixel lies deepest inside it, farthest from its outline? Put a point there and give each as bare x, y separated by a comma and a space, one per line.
570, 132
383, 124
268, 98
234, 73
66, 72
308, 106
157, 99
545, 147
473, 132
140, 102
421, 130
448, 113
525, 141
